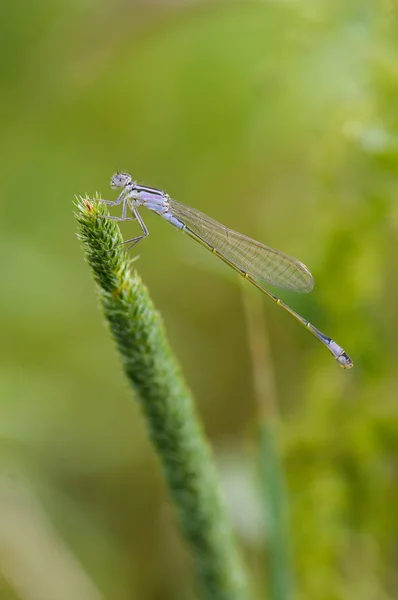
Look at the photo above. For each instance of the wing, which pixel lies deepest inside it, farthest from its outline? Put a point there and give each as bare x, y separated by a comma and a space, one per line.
260, 261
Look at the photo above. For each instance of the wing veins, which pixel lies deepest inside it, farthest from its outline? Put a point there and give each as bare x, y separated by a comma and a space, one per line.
260, 261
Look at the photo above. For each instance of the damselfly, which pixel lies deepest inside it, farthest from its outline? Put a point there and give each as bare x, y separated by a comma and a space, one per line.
254, 261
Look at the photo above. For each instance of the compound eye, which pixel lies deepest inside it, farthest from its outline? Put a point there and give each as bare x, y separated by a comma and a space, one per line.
120, 180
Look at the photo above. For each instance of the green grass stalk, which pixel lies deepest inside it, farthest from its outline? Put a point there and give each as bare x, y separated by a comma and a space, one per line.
167, 405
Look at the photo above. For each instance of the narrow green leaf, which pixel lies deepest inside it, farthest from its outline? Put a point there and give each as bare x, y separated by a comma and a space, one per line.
275, 507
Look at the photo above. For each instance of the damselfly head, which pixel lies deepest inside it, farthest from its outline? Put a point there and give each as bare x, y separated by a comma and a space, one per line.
120, 180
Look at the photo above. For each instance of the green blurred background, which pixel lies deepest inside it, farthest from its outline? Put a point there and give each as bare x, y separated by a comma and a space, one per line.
280, 120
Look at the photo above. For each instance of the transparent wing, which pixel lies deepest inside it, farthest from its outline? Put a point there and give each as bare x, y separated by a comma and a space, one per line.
261, 262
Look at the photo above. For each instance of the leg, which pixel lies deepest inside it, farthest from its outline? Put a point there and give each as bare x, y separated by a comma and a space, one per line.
113, 202
145, 232
124, 216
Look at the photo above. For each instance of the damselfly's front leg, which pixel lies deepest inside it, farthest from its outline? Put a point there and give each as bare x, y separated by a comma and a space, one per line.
124, 216
118, 200
127, 203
